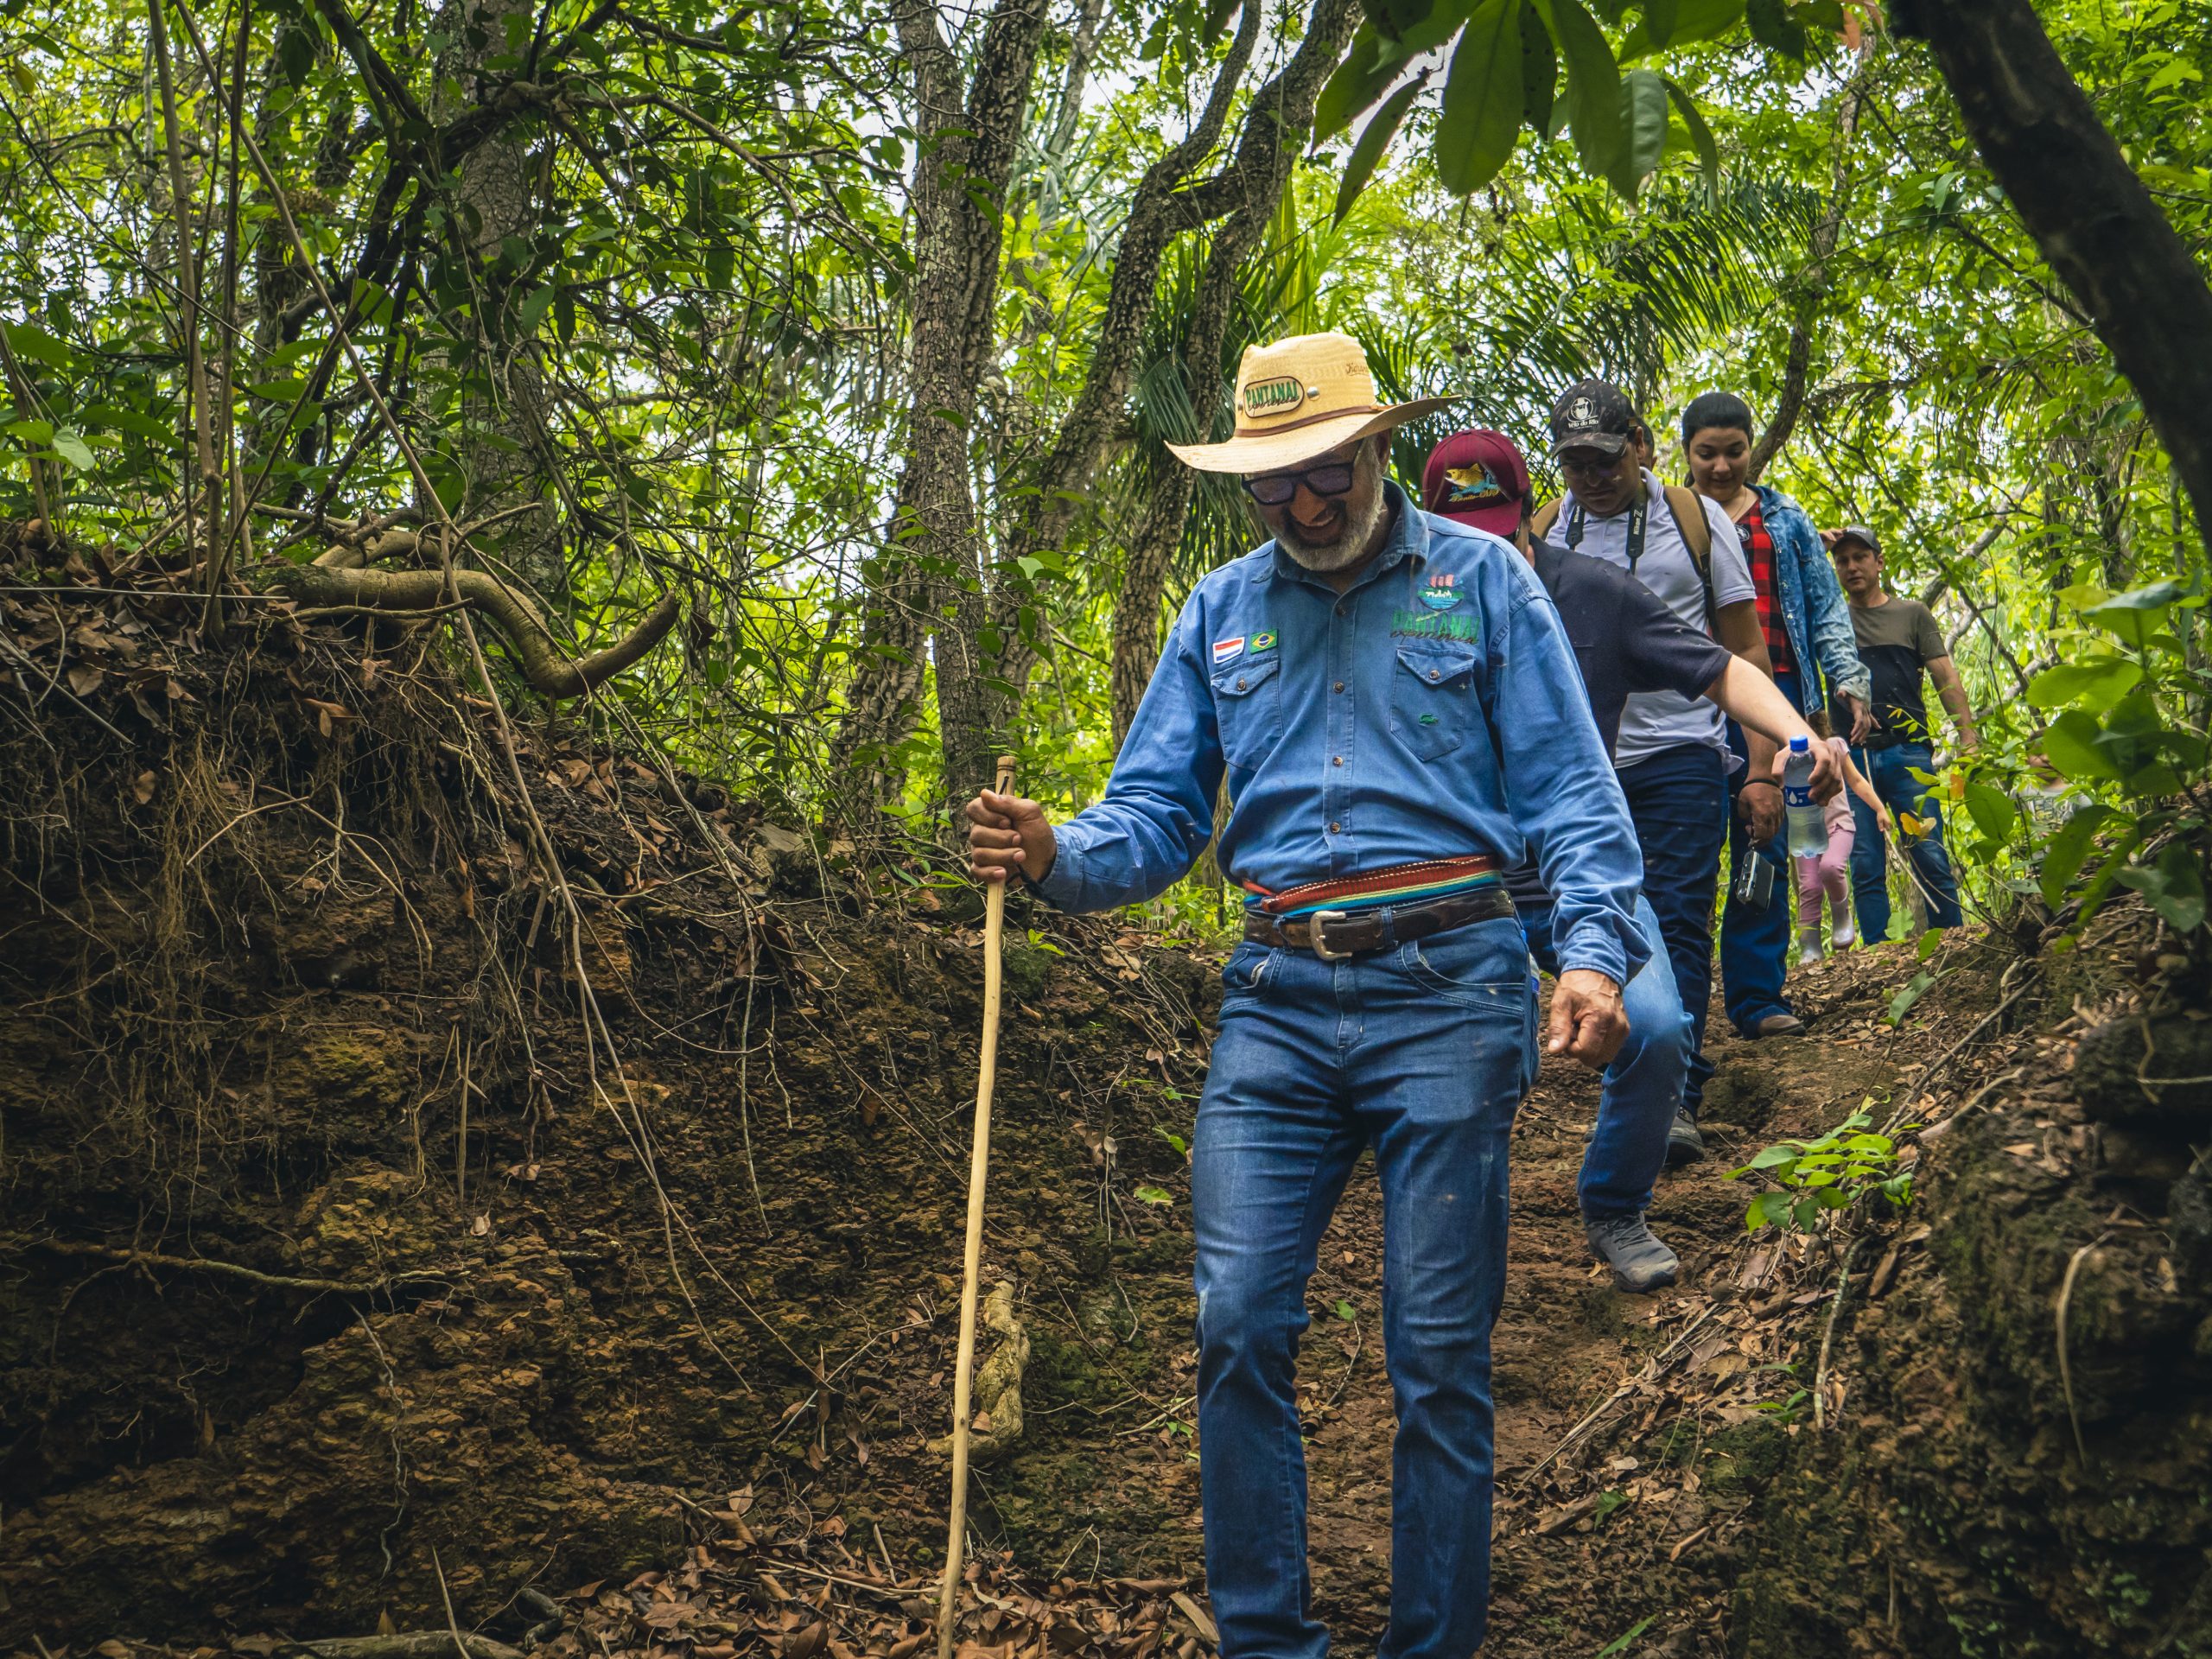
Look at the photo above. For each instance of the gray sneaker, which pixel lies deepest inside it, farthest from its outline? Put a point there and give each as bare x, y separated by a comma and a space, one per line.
1684, 1144
1640, 1262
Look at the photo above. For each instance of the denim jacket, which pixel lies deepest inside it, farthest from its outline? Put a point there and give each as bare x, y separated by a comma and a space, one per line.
1814, 610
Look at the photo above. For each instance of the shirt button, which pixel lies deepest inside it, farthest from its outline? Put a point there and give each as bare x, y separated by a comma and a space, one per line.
1340, 685
1432, 675
1333, 827
1336, 760
1240, 685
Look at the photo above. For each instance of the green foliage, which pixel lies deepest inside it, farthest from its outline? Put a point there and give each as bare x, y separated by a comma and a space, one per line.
1812, 1179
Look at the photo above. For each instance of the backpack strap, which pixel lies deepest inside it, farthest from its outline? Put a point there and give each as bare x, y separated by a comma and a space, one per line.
1547, 516
1696, 531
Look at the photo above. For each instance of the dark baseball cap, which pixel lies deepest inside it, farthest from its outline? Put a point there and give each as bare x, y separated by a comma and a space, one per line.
1476, 478
1592, 414
1860, 533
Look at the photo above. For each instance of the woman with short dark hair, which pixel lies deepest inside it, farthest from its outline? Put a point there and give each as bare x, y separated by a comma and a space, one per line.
1809, 637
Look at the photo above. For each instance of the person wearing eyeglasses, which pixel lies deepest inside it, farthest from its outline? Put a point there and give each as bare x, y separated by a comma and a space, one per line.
1396, 710
1673, 753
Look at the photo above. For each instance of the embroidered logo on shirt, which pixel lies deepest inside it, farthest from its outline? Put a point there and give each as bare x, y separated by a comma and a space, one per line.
1262, 642
1470, 485
1427, 625
1225, 649
1441, 594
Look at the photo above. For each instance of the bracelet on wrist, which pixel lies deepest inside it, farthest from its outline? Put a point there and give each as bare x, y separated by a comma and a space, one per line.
1754, 782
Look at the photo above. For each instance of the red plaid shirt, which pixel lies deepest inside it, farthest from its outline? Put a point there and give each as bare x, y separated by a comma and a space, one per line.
1758, 553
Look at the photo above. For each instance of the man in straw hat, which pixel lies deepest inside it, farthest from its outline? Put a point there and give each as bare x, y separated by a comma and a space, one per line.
1398, 714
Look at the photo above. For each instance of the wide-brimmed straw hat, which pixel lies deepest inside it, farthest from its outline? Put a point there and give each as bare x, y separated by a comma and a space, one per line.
1299, 398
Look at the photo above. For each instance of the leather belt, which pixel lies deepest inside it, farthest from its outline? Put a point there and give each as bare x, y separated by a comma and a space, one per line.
1334, 935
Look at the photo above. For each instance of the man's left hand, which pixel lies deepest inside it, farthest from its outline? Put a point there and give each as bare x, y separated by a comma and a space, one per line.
1587, 1023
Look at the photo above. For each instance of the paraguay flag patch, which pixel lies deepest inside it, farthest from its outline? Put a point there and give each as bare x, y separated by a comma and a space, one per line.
1224, 650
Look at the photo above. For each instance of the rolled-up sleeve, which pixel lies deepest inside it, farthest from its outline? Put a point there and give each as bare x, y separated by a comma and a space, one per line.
1157, 814
1564, 796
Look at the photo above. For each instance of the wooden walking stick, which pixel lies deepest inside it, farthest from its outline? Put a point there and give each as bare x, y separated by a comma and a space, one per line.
964, 1373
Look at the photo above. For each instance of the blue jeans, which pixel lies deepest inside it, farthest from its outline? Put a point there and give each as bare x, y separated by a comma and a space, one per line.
1890, 770
1679, 800
1643, 1087
1755, 943
1423, 1050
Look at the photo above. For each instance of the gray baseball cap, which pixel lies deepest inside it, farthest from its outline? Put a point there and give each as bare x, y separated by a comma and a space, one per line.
1860, 533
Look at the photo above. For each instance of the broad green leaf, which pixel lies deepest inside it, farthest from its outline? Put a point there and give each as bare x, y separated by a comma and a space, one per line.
1708, 153
115, 419
1993, 814
1346, 1312
1643, 130
1774, 28
1154, 1195
1695, 20
1914, 989
1539, 73
32, 431
2068, 849
2095, 685
72, 447
1593, 85
2174, 884
29, 339
1482, 100
2070, 744
1659, 17
1358, 82
1374, 139
1931, 942
1431, 32
2134, 614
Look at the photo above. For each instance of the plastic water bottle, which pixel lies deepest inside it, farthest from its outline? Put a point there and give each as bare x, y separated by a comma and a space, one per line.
1807, 824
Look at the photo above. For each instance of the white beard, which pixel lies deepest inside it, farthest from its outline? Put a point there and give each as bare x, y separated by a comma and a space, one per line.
1349, 548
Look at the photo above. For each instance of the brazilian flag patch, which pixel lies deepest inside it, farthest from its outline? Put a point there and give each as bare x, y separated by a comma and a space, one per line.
1260, 642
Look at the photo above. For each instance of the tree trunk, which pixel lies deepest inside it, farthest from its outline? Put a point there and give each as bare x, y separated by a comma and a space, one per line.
503, 447
1812, 285
928, 582
2091, 217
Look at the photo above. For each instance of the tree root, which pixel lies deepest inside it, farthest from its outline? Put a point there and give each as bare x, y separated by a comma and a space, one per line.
411, 1645
231, 1269
338, 586
998, 1384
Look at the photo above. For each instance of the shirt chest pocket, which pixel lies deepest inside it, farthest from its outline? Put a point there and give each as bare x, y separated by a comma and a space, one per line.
1247, 704
1433, 702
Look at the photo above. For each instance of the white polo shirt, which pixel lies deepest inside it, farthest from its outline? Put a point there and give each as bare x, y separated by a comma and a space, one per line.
1663, 719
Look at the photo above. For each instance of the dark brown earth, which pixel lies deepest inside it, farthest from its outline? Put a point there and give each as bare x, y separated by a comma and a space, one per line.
270, 1370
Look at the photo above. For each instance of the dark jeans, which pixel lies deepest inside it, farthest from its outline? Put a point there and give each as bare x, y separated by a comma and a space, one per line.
1679, 801
1890, 772
1755, 943
1422, 1053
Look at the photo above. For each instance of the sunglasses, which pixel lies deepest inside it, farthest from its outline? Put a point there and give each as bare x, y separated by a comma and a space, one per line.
1587, 464
1275, 489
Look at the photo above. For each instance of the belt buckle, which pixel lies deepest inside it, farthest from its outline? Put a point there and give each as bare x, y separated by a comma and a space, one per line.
1313, 925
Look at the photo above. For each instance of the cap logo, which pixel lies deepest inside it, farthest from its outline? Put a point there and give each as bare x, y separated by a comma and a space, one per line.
1275, 397
1581, 412
1468, 486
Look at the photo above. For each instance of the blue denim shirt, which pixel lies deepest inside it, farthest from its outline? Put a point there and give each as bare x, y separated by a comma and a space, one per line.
1813, 609
1435, 709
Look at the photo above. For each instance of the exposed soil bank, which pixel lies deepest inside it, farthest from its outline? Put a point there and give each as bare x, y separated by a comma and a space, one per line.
281, 1348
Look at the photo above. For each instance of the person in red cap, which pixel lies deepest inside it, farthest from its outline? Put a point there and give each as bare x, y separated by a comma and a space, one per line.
1626, 639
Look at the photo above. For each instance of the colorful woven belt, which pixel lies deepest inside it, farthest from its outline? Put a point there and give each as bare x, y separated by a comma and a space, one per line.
1405, 884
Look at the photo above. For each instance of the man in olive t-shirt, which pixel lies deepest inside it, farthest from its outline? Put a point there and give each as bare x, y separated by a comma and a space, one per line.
1898, 639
